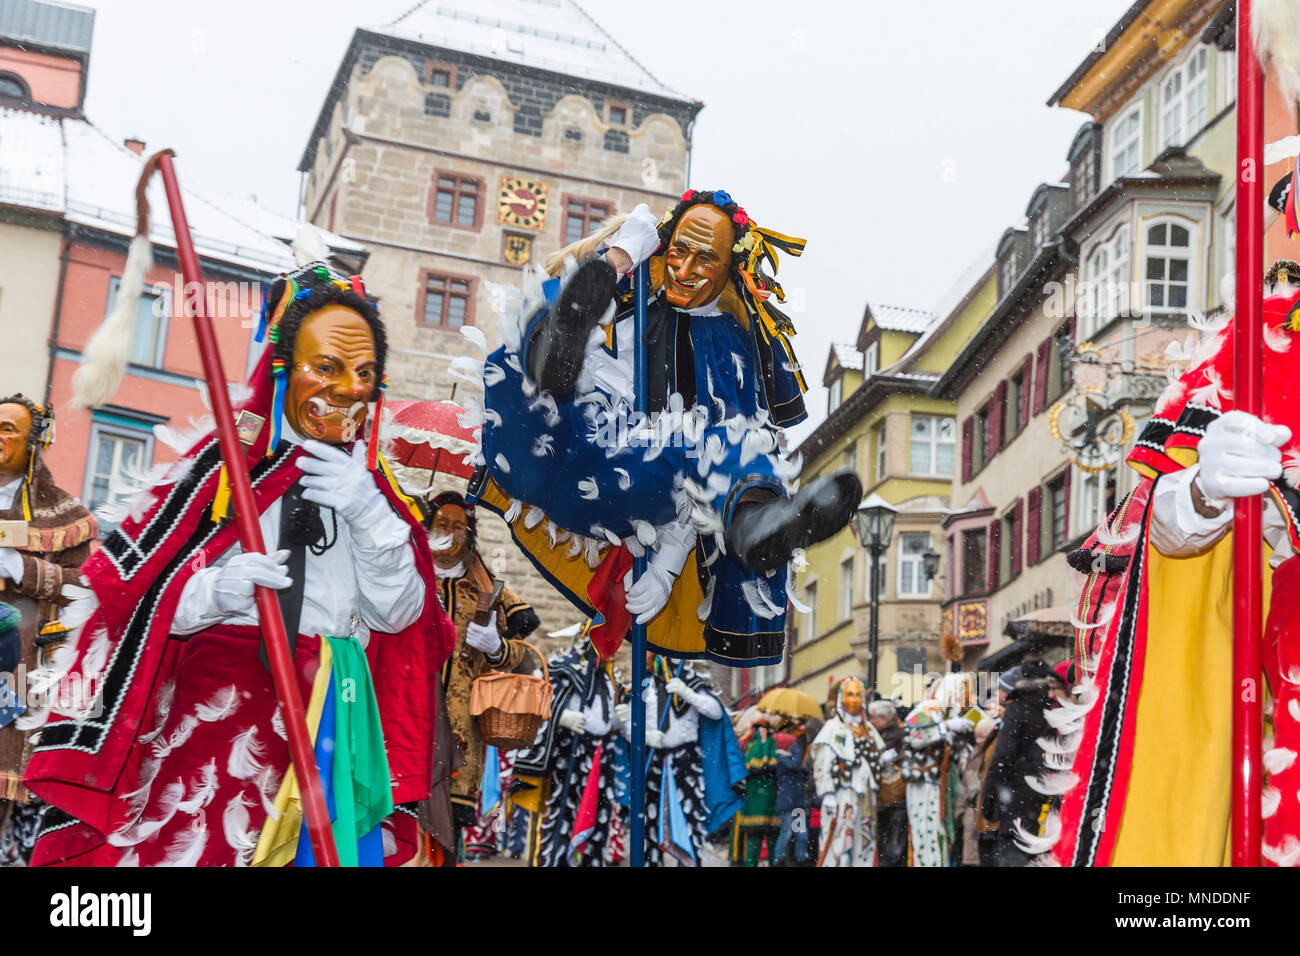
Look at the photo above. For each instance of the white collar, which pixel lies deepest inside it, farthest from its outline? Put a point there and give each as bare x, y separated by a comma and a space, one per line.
458, 571
9, 491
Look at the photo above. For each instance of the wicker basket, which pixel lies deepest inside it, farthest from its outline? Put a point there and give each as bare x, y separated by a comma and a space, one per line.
510, 707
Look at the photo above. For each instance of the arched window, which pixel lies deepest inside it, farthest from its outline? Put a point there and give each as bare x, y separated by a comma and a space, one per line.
12, 87
1184, 99
1106, 295
1167, 268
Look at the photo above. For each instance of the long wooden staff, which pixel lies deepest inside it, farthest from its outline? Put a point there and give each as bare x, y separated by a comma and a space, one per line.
250, 536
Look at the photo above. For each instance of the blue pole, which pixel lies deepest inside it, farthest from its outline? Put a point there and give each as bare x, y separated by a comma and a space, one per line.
641, 287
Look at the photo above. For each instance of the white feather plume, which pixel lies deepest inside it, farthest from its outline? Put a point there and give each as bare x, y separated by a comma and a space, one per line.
187, 849
1275, 28
512, 512
1270, 800
277, 724
1278, 759
219, 706
236, 825
105, 357
205, 789
1288, 854
268, 784
475, 335
245, 753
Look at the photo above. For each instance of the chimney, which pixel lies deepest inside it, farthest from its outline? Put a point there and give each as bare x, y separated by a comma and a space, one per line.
134, 145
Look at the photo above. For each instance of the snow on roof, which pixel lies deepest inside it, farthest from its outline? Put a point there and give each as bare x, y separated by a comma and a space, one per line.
70, 166
31, 160
847, 356
554, 35
954, 297
897, 318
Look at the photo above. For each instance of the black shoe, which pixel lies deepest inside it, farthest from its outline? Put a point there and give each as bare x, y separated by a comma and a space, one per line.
764, 535
557, 346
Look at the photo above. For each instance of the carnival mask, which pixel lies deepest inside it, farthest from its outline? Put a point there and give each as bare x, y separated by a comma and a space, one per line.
449, 535
15, 431
699, 257
851, 698
333, 375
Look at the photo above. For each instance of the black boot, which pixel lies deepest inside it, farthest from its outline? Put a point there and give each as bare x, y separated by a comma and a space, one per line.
765, 534
559, 342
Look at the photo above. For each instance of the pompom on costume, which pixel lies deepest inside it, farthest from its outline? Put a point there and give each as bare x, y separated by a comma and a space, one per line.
585, 484
1151, 732
167, 748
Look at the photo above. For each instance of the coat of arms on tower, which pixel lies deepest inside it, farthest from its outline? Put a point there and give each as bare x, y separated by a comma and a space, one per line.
516, 249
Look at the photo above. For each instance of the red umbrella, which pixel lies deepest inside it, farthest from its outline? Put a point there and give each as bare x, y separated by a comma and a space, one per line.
429, 436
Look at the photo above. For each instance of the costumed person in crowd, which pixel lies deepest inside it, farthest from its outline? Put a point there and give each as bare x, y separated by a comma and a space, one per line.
793, 768
847, 755
979, 835
45, 536
489, 619
694, 768
489, 834
568, 779
1009, 797
757, 819
891, 798
929, 764
181, 758
703, 485
1140, 792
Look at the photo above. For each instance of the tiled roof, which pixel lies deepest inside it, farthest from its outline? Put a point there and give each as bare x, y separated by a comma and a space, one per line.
848, 357
895, 318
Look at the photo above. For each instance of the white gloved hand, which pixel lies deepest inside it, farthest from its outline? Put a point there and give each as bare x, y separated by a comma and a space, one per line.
648, 595
335, 479
11, 565
888, 756
1238, 456
654, 739
828, 810
956, 725
679, 687
623, 714
574, 720
232, 586
484, 637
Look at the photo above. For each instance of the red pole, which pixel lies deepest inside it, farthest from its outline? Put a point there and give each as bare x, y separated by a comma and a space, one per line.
1248, 395
250, 538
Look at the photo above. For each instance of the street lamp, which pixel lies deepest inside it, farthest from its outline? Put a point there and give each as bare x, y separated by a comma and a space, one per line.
875, 528
930, 562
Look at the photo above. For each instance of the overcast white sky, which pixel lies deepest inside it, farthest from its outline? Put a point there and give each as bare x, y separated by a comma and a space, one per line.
900, 139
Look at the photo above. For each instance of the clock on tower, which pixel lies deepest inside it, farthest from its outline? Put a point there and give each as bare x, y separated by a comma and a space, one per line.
522, 203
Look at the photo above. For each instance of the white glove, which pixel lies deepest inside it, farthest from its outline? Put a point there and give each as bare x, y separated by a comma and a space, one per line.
1238, 456
648, 595
484, 637
232, 587
956, 725
623, 714
335, 479
574, 720
681, 689
638, 237
654, 739
11, 565
828, 810
888, 756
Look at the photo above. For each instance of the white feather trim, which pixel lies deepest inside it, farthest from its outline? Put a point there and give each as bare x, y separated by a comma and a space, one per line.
1270, 800
1288, 854
588, 489
1278, 759
277, 724
475, 335
236, 825
182, 733
205, 789
1275, 27
624, 479
219, 706
512, 512
245, 751
268, 784
188, 847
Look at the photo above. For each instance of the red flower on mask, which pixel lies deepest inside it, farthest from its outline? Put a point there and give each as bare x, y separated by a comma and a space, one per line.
741, 218
688, 195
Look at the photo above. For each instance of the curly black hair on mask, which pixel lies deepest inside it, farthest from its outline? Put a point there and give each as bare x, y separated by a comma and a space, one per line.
318, 286
42, 419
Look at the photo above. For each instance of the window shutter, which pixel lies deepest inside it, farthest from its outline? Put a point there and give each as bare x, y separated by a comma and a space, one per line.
1026, 389
1040, 374
1018, 531
967, 437
995, 552
997, 419
1033, 526
1069, 473
1067, 367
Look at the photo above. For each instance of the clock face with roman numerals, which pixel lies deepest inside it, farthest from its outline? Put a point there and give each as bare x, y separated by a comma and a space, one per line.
522, 203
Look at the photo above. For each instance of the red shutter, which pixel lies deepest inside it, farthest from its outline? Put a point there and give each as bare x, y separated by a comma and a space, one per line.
1033, 526
997, 420
1026, 389
1040, 375
1018, 535
995, 552
967, 438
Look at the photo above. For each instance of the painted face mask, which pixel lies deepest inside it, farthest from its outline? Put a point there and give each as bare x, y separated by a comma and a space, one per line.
449, 535
333, 375
851, 698
699, 257
15, 430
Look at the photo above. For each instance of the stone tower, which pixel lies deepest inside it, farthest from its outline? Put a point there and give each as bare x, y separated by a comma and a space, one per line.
464, 140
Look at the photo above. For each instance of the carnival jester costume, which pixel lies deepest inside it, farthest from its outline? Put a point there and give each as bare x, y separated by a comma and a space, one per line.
586, 485
846, 770
168, 747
